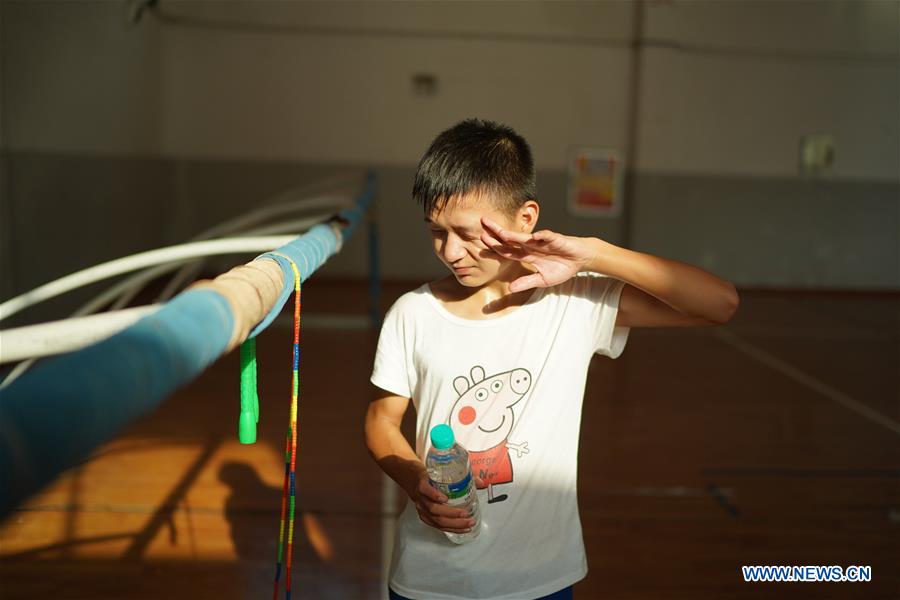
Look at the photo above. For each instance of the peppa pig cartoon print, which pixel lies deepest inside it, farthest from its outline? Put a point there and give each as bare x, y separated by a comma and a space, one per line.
482, 419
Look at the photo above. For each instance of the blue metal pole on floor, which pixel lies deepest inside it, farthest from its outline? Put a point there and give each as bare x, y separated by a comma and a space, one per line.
374, 270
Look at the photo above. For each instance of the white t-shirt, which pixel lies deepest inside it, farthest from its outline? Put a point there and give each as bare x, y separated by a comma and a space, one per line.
511, 387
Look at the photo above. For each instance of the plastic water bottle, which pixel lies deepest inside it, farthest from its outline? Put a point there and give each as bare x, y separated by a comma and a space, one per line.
450, 473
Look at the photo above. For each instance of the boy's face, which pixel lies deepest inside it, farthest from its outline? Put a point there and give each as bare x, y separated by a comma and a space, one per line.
456, 238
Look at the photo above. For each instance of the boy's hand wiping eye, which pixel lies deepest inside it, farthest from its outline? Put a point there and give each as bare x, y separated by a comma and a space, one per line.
556, 257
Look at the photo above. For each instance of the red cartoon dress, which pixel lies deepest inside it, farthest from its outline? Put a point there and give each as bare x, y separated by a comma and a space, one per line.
493, 465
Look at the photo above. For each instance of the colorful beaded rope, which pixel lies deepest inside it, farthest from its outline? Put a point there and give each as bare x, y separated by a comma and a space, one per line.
247, 434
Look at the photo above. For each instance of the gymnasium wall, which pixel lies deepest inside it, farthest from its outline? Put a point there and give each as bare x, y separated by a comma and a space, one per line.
171, 126
83, 179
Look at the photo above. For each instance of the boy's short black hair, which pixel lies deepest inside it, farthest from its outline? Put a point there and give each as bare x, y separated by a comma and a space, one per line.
476, 156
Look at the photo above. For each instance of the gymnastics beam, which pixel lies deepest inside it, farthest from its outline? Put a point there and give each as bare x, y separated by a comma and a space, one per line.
55, 415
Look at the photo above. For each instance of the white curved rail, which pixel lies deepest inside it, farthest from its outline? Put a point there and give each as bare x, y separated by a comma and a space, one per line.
55, 337
128, 289
140, 261
40, 341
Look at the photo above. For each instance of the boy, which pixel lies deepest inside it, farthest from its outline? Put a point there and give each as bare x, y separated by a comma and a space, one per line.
499, 350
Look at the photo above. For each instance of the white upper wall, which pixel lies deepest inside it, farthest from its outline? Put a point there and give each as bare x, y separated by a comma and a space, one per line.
703, 114
794, 68
77, 77
537, 18
812, 26
347, 96
331, 81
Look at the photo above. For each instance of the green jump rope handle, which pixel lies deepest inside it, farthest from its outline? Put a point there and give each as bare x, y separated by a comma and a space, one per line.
249, 398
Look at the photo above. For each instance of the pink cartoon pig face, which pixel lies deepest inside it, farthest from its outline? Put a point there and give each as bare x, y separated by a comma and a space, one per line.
482, 417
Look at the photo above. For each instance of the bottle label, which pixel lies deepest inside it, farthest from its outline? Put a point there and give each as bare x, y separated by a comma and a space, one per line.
455, 490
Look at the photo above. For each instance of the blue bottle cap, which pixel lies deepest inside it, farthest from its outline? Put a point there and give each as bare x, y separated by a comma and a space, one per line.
442, 437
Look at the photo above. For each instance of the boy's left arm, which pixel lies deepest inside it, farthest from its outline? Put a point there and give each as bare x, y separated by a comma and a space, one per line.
662, 292
659, 292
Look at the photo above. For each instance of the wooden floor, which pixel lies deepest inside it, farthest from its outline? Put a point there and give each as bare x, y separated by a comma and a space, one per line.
772, 441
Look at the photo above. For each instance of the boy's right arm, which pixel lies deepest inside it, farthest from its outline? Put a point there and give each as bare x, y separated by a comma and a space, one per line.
396, 458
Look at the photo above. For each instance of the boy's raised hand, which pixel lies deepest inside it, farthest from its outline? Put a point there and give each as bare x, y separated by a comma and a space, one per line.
556, 257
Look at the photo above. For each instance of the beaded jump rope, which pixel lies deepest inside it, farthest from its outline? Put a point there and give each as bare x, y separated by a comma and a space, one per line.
247, 435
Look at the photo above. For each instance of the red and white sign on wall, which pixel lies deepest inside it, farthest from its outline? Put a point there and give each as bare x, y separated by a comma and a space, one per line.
596, 178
